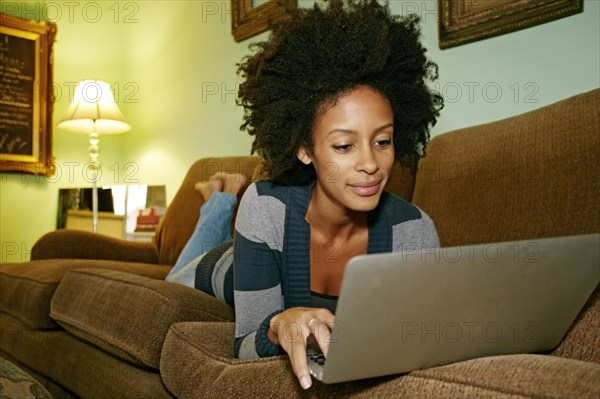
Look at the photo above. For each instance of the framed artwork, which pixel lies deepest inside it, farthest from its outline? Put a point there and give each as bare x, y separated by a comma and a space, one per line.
251, 17
26, 95
464, 21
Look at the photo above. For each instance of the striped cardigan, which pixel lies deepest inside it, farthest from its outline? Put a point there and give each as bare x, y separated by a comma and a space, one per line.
271, 262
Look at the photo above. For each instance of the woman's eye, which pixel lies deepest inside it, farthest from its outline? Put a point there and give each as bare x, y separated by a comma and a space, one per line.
383, 143
342, 148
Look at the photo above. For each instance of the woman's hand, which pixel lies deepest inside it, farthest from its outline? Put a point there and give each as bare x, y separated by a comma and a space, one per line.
291, 328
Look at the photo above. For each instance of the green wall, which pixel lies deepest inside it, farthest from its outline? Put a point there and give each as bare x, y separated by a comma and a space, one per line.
172, 65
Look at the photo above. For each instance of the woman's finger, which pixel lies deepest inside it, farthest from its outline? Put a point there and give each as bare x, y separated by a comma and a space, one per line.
320, 331
297, 355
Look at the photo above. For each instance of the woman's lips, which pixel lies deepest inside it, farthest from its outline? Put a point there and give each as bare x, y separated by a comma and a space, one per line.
367, 188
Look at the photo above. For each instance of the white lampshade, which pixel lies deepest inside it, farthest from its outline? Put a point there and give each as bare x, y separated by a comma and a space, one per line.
93, 109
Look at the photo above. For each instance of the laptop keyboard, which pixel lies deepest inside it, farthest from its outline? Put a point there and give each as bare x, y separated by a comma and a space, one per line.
318, 358
316, 362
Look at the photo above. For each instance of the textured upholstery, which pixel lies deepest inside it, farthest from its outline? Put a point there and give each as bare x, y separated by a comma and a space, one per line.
111, 310
75, 244
530, 176
582, 341
27, 288
198, 361
77, 366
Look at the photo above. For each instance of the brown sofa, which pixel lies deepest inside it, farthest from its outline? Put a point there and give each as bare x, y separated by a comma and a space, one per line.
89, 316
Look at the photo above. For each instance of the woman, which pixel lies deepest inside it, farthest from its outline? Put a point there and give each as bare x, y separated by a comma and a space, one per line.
333, 98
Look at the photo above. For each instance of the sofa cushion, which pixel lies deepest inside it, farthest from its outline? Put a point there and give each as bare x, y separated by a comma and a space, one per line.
533, 175
582, 341
27, 288
197, 361
129, 315
71, 368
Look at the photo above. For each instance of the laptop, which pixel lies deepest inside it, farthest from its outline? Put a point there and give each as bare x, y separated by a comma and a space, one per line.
399, 312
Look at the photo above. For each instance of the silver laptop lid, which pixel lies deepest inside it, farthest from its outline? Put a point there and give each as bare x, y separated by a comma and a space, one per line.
406, 311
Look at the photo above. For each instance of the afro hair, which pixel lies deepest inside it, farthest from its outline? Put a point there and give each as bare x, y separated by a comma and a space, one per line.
313, 58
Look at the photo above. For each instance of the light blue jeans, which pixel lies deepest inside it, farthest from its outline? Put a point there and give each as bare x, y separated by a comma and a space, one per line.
212, 229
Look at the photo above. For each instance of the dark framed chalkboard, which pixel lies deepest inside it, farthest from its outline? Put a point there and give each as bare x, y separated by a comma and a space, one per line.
26, 95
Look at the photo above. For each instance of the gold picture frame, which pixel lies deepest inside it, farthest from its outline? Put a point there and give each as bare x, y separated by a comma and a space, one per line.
249, 19
27, 97
465, 21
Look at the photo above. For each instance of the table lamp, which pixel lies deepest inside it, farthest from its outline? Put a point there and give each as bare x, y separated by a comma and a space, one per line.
93, 111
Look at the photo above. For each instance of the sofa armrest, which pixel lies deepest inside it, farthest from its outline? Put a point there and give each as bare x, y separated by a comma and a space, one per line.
76, 244
197, 361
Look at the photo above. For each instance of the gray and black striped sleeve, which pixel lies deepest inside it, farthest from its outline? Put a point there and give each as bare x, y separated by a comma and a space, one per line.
258, 246
415, 235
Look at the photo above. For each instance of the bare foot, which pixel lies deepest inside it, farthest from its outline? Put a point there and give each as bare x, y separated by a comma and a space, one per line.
232, 183
206, 188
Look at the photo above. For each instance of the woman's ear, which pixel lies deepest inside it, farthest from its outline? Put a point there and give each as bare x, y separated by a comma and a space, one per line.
303, 155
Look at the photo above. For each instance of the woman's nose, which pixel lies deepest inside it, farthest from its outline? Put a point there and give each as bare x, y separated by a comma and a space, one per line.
367, 161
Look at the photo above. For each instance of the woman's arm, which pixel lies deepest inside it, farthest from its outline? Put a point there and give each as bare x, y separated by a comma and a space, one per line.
258, 297
263, 326
430, 235
258, 246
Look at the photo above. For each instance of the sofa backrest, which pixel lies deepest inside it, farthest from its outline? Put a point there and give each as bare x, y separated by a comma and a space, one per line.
528, 176
182, 214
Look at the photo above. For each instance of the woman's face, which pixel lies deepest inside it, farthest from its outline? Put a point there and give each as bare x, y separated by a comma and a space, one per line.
353, 150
